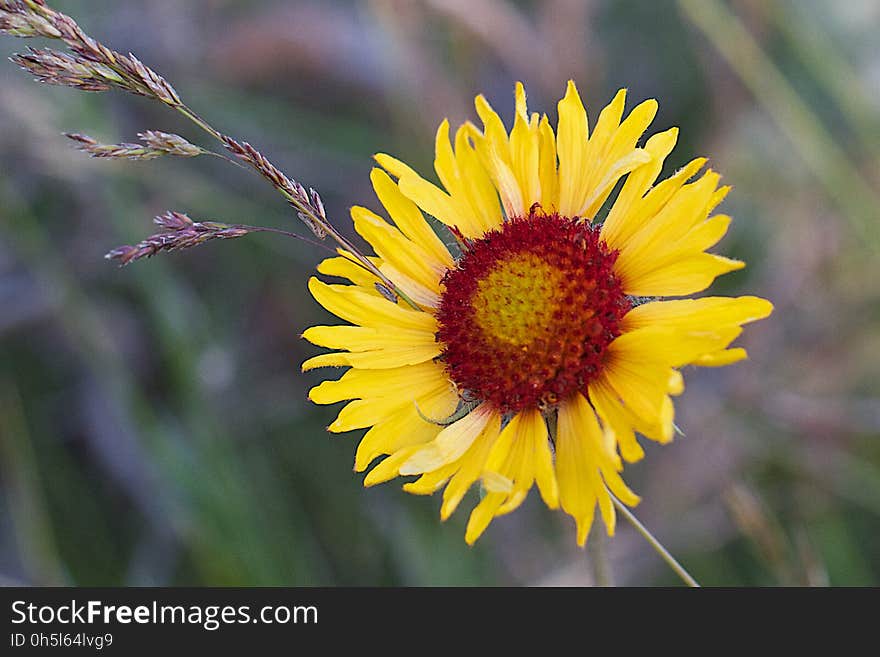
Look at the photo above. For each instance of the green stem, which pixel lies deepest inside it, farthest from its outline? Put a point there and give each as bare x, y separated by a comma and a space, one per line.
829, 67
32, 525
598, 551
654, 543
199, 121
285, 233
225, 159
817, 147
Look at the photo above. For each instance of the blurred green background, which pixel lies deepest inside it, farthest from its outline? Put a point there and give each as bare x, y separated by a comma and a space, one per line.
154, 428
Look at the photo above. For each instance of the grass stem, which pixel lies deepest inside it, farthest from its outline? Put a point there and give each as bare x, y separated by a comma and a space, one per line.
671, 561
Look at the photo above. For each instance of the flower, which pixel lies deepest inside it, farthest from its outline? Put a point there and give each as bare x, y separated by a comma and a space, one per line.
535, 347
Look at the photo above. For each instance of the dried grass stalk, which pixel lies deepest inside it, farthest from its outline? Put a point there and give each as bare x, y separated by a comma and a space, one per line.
155, 144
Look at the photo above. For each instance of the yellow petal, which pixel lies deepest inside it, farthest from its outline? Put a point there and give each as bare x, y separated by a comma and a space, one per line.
522, 454
514, 499
363, 338
639, 366
702, 236
409, 219
525, 152
545, 475
577, 469
671, 251
599, 156
719, 195
634, 159
549, 179
494, 150
584, 467
571, 145
399, 253
607, 126
411, 381
722, 358
438, 204
430, 482
345, 267
622, 420
615, 421
387, 469
422, 296
470, 467
632, 128
364, 412
451, 443
642, 213
662, 231
444, 158
676, 383
612, 149
392, 165
698, 314
475, 186
496, 483
643, 387
467, 180
482, 515
621, 222
687, 276
665, 345
356, 306
377, 359
404, 427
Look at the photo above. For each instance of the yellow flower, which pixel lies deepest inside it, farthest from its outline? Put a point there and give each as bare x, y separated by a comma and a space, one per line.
524, 351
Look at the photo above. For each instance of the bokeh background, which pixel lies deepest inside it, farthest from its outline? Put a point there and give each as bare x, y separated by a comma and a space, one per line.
154, 427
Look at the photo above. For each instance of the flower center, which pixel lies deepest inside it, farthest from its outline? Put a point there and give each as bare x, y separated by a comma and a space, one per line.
528, 312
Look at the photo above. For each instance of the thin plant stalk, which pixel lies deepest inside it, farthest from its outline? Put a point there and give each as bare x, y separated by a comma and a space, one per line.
92, 66
308, 210
31, 522
820, 151
830, 68
603, 575
671, 561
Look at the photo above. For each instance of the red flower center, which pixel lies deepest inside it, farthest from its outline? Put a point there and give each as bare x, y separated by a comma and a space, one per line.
528, 312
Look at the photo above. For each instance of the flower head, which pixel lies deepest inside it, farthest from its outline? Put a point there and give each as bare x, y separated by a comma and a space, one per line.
525, 353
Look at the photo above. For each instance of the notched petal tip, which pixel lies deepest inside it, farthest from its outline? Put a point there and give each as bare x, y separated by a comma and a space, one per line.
520, 98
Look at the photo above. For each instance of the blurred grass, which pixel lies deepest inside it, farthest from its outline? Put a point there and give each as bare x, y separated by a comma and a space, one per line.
829, 162
154, 427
